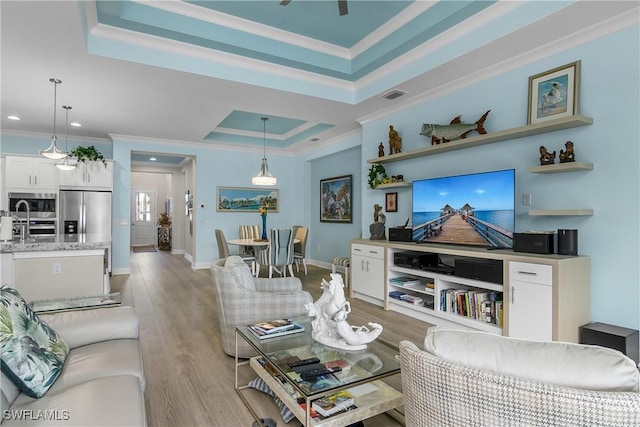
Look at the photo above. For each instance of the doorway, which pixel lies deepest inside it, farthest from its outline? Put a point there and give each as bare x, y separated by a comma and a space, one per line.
143, 217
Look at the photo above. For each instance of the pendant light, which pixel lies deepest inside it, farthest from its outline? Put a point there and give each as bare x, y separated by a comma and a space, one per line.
264, 177
53, 152
65, 164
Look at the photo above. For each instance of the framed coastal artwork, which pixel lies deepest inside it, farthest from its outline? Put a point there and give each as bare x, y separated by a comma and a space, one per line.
554, 93
240, 199
335, 199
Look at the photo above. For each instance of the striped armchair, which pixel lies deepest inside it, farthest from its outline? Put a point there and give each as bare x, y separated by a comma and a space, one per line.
441, 392
242, 299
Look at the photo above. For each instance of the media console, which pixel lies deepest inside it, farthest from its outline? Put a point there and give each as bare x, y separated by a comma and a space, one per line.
532, 296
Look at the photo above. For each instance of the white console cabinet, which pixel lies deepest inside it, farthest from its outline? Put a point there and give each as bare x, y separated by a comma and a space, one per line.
530, 301
540, 297
367, 272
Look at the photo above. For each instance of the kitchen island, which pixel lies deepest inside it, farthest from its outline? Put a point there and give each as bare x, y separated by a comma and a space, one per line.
58, 266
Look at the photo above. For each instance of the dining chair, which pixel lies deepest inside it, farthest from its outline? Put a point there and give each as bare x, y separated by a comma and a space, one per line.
279, 253
299, 249
249, 232
223, 250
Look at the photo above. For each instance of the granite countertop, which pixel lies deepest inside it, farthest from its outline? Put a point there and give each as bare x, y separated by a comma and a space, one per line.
58, 242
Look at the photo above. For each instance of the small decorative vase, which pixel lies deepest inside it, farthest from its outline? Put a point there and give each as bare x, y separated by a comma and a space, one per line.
264, 227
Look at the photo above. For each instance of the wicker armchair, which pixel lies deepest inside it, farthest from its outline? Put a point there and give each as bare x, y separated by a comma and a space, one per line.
242, 299
439, 392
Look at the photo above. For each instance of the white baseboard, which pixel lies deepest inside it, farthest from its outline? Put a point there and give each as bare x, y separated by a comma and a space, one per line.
121, 271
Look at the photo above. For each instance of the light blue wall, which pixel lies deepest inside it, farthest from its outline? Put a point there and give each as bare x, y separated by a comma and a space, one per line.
609, 94
214, 167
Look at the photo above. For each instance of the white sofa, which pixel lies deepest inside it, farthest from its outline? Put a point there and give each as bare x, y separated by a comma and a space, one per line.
102, 379
480, 379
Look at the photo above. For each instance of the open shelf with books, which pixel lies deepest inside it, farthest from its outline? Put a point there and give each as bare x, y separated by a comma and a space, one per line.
424, 294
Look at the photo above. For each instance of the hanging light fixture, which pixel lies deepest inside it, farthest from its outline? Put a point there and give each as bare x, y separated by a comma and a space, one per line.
53, 152
65, 164
264, 177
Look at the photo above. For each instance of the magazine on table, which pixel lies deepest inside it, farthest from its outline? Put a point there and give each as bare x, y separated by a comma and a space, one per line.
278, 331
333, 403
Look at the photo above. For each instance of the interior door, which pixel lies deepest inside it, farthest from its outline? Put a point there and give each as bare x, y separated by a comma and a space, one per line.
143, 217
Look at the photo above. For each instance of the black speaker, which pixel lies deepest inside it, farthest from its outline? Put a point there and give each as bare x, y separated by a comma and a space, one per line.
567, 242
615, 337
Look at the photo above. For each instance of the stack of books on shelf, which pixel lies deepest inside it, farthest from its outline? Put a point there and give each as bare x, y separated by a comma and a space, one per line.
404, 280
275, 328
411, 299
334, 403
478, 305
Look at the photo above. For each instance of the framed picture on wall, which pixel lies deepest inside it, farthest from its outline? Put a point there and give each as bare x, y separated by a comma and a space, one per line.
554, 93
391, 202
335, 199
240, 199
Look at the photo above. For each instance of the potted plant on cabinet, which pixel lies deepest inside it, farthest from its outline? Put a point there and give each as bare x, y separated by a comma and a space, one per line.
84, 154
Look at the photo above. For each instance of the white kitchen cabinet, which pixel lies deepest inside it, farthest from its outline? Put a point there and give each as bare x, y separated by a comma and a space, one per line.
367, 271
88, 175
531, 301
24, 172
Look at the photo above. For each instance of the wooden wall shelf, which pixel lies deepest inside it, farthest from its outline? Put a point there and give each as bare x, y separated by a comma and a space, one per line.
561, 212
514, 133
393, 185
561, 167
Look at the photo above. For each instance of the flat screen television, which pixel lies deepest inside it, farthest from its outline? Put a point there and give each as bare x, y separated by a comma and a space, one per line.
476, 209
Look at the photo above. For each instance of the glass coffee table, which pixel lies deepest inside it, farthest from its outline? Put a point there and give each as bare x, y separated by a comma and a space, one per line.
75, 303
362, 373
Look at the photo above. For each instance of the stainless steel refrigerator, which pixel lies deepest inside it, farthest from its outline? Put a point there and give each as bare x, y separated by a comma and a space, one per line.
85, 212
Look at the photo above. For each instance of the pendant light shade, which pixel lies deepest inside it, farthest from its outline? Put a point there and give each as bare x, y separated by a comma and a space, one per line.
53, 152
66, 164
264, 177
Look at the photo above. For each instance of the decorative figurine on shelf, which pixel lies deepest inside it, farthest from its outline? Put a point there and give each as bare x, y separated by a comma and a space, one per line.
381, 150
330, 326
395, 141
569, 155
454, 130
546, 158
377, 229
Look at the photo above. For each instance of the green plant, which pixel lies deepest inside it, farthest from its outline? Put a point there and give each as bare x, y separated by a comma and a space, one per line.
88, 153
377, 174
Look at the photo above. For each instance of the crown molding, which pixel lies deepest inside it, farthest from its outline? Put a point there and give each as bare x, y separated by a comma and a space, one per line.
585, 35
60, 137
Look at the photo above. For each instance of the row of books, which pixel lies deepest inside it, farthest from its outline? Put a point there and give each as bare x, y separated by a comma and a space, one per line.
275, 328
478, 305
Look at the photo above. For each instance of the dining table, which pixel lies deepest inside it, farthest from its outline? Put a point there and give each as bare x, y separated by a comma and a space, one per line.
257, 244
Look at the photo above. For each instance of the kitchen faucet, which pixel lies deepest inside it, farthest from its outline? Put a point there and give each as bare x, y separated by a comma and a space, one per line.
26, 233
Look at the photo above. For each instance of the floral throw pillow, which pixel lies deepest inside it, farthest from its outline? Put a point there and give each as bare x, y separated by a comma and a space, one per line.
32, 353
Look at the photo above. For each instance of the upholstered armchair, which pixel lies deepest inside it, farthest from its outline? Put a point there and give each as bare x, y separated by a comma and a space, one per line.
476, 378
243, 299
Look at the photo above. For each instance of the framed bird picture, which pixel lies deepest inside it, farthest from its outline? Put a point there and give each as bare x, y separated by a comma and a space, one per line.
554, 93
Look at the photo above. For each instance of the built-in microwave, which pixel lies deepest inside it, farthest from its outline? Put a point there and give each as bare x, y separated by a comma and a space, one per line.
41, 205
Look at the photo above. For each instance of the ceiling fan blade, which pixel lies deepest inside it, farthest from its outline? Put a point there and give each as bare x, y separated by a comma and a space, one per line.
342, 7
284, 2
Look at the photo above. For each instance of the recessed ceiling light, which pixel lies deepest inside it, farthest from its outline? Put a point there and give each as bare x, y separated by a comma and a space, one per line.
13, 117
153, 159
75, 124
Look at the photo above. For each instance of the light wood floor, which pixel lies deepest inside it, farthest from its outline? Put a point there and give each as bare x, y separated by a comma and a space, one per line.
189, 379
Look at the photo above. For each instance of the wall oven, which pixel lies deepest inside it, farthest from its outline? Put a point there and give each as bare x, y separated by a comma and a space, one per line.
42, 212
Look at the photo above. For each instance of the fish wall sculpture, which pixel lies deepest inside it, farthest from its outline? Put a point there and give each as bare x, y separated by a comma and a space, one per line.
455, 130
